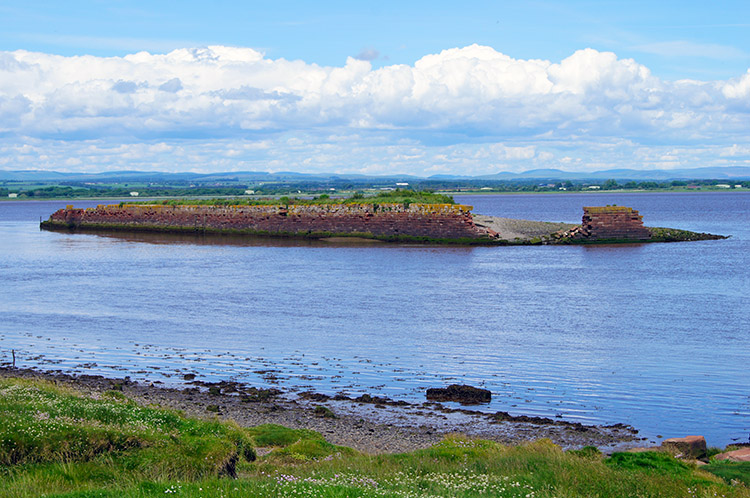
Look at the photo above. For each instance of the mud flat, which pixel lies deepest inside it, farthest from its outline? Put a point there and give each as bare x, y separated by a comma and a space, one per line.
370, 424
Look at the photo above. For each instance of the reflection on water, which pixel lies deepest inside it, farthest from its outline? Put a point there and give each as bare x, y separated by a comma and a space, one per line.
218, 239
653, 335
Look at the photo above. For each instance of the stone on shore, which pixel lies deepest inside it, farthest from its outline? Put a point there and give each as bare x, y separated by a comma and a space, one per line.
741, 455
466, 395
686, 447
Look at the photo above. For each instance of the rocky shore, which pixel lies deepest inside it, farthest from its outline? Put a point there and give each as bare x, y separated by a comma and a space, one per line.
370, 424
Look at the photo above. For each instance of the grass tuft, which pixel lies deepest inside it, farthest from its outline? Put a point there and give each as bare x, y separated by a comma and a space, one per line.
590, 452
278, 435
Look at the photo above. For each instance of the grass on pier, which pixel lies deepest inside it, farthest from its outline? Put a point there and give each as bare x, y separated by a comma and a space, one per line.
398, 196
54, 442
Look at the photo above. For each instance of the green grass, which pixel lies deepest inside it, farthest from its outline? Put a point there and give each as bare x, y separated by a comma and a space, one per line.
49, 434
650, 461
278, 435
59, 443
398, 196
730, 471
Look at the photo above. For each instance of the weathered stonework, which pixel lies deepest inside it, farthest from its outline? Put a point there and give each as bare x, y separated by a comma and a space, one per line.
434, 221
610, 223
613, 222
442, 223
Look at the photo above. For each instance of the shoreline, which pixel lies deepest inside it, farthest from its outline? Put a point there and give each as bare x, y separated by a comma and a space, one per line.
370, 424
577, 192
442, 192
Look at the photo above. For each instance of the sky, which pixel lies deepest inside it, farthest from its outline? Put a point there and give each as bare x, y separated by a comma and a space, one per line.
422, 88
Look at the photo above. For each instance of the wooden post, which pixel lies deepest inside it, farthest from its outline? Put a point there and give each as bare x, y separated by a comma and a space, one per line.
13, 352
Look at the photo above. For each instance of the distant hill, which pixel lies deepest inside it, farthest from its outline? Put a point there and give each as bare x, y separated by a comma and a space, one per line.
718, 173
738, 173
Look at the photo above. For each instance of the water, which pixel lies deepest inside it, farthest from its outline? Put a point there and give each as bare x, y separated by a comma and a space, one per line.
652, 335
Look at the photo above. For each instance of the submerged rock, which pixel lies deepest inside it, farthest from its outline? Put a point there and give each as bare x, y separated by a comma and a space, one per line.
466, 395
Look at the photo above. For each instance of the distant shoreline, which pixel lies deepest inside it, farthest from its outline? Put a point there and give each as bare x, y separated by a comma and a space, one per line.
598, 192
444, 192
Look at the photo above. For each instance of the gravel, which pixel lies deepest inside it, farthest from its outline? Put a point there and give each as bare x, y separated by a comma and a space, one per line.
511, 229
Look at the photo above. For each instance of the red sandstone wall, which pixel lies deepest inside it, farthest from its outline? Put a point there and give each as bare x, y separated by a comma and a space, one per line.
613, 222
419, 220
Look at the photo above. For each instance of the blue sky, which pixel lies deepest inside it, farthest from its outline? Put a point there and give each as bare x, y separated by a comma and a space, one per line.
675, 39
393, 87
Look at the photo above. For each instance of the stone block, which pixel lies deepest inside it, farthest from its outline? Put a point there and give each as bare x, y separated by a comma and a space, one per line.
614, 222
686, 447
741, 455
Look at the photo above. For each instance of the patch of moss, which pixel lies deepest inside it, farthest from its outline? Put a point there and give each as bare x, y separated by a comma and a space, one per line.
323, 411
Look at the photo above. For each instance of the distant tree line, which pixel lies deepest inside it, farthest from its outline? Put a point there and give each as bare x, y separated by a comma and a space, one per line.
331, 186
58, 191
574, 185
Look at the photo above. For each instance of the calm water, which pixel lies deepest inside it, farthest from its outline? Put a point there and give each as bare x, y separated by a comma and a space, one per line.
656, 335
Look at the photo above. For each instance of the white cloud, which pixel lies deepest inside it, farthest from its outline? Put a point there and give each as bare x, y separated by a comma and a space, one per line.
738, 88
502, 151
463, 109
735, 150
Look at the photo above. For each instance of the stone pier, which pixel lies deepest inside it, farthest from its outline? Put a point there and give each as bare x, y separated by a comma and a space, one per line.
613, 222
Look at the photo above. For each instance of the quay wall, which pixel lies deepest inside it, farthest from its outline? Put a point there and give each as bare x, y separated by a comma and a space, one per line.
434, 221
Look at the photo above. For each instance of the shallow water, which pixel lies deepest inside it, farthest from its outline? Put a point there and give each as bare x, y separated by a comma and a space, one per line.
653, 335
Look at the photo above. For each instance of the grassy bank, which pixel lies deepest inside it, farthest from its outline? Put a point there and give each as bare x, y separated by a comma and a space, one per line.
55, 442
